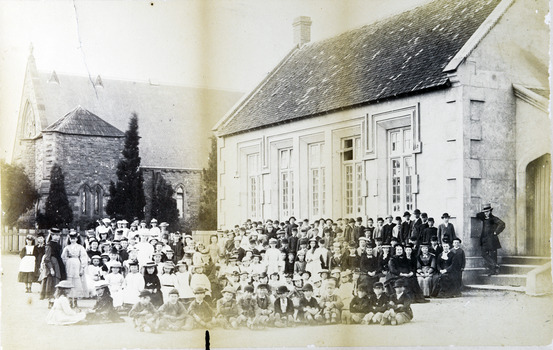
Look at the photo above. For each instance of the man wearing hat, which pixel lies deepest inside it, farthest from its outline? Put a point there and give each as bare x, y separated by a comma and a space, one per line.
492, 226
415, 226
446, 231
400, 306
348, 230
406, 226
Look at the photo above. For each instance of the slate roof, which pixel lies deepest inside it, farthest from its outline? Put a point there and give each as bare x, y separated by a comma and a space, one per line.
401, 55
82, 122
174, 122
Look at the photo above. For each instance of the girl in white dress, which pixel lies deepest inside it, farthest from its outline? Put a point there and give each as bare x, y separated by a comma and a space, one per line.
168, 279
183, 282
116, 281
75, 259
93, 273
61, 313
134, 283
312, 258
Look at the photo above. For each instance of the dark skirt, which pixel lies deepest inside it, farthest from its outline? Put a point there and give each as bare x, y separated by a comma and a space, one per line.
26, 277
48, 287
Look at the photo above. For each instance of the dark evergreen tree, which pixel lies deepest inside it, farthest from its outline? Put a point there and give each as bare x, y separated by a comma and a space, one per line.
18, 194
164, 206
127, 194
207, 219
57, 211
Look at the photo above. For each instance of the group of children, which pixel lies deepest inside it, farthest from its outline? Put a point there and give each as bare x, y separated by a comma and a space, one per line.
260, 275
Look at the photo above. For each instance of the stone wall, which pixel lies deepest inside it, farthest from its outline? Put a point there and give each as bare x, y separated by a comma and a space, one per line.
189, 180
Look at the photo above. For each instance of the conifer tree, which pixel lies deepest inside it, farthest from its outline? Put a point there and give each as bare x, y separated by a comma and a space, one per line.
127, 194
164, 206
57, 212
208, 196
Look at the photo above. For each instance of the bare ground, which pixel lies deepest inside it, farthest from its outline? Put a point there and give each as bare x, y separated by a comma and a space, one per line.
484, 318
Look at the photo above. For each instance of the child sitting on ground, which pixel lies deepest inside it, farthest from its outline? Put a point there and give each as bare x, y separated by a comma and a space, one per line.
143, 313
378, 304
200, 310
103, 311
172, 314
227, 309
360, 305
399, 311
330, 302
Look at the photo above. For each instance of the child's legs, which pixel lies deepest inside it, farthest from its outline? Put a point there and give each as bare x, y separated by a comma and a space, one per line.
378, 317
346, 317
356, 318
402, 318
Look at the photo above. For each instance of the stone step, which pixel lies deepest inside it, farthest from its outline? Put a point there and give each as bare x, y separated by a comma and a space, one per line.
496, 287
471, 275
474, 261
523, 260
503, 280
517, 269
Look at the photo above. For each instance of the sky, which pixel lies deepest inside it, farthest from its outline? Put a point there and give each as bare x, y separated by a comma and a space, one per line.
220, 44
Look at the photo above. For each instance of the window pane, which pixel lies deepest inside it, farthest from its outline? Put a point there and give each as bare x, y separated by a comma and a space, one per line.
357, 148
348, 143
359, 179
407, 141
349, 189
396, 183
323, 210
315, 191
408, 183
348, 155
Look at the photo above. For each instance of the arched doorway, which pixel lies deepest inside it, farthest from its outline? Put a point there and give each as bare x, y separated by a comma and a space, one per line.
538, 206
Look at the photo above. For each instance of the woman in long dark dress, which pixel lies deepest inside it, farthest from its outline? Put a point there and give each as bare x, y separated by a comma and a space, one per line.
446, 264
40, 249
52, 268
152, 283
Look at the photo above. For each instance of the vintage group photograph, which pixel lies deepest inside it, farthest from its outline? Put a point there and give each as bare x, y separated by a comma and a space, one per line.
269, 174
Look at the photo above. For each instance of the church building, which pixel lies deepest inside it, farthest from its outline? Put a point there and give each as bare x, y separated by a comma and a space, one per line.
79, 123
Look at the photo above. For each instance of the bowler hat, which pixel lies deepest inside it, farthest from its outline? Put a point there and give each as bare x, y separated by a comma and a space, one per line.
144, 293
399, 283
199, 290
228, 289
406, 214
417, 211
445, 215
174, 291
487, 206
282, 290
378, 285
307, 287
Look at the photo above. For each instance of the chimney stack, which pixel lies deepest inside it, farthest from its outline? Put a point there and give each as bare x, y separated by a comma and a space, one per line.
302, 30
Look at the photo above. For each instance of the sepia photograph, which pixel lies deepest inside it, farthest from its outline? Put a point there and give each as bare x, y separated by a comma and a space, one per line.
275, 174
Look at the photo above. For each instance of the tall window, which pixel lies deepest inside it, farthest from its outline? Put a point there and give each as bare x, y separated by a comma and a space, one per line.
85, 200
352, 175
180, 201
316, 180
401, 170
98, 198
286, 182
254, 187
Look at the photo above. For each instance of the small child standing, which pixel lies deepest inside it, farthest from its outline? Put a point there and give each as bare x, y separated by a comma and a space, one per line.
152, 283
134, 283
27, 273
168, 279
116, 280
143, 313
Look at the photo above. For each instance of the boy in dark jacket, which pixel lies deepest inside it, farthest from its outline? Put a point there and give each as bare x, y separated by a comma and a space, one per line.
378, 304
360, 305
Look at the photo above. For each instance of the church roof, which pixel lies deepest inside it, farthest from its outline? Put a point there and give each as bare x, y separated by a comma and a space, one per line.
82, 122
174, 122
398, 56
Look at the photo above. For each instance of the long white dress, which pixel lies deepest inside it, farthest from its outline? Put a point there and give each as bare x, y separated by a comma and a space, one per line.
116, 282
62, 313
168, 281
75, 259
313, 263
92, 275
134, 283
183, 285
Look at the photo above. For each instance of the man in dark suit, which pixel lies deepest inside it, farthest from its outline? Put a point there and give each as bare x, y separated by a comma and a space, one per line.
446, 231
414, 236
387, 230
358, 229
492, 226
406, 227
348, 231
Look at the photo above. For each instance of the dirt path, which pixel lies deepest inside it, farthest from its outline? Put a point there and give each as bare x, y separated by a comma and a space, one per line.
478, 318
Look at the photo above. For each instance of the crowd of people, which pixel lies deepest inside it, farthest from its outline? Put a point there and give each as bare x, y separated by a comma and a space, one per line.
256, 275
